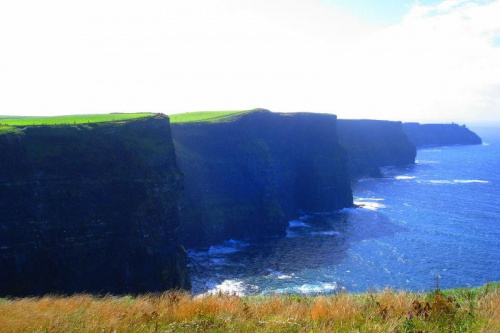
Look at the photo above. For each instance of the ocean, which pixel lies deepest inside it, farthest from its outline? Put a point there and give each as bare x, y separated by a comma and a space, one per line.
433, 223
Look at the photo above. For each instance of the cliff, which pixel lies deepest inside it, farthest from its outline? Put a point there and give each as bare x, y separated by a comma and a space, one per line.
440, 134
371, 144
90, 207
248, 175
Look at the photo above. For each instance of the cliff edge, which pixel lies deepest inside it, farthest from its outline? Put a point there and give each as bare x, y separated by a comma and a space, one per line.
248, 174
440, 134
90, 207
371, 144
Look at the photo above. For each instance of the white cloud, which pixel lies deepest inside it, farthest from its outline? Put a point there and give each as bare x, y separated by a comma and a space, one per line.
59, 57
436, 64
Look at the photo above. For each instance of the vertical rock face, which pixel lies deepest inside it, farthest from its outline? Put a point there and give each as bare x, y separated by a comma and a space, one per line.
90, 208
371, 144
440, 134
249, 176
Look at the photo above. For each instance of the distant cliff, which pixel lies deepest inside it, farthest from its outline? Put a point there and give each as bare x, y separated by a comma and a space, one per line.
249, 175
371, 144
440, 134
90, 207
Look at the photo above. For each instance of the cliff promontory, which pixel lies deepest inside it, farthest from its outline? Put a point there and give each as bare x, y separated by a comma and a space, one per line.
248, 174
440, 134
371, 144
90, 207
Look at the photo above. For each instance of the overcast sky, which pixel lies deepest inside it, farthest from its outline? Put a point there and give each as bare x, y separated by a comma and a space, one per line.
388, 59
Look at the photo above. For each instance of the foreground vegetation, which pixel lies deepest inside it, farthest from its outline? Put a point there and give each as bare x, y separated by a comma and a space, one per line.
459, 310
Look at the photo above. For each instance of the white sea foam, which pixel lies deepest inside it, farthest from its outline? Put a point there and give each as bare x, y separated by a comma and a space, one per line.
440, 182
459, 181
486, 144
369, 199
370, 205
317, 288
231, 287
467, 181
284, 276
404, 177
298, 224
430, 150
348, 209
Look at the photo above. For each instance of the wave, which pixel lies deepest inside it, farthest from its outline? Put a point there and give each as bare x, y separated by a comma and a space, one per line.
229, 246
458, 181
369, 199
426, 162
347, 209
230, 287
467, 181
317, 288
218, 261
404, 177
298, 224
370, 205
440, 181
431, 150
326, 233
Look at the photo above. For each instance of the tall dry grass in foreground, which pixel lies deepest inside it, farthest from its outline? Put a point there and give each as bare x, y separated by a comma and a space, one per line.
461, 310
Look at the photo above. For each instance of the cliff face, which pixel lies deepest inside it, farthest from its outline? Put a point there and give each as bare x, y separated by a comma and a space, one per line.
90, 208
249, 176
440, 134
371, 144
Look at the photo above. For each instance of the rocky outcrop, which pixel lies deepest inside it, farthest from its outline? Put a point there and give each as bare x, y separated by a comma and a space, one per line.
440, 134
371, 144
248, 176
90, 208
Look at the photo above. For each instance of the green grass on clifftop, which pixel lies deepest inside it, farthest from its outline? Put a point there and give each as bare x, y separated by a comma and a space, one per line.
70, 120
206, 116
8, 124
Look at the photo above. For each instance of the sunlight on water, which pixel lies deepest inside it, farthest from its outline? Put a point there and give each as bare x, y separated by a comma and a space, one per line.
438, 217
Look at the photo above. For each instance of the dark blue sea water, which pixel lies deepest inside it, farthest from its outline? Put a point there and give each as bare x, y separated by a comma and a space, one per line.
437, 219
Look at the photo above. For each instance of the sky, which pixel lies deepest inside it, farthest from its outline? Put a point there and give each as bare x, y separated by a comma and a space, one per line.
423, 61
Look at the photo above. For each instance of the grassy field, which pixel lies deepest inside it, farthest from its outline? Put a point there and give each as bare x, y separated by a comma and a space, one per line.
460, 310
206, 116
69, 120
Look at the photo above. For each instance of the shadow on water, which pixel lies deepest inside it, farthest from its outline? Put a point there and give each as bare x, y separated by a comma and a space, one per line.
313, 245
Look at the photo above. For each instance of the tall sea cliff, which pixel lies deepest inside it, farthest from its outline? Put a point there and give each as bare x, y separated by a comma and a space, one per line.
248, 176
91, 207
371, 144
440, 134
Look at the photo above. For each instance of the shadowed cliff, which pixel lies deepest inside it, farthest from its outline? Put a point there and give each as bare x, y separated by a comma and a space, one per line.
91, 207
440, 134
371, 144
249, 175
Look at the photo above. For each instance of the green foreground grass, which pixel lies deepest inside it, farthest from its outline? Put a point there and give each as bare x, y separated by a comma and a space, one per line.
206, 116
9, 124
459, 310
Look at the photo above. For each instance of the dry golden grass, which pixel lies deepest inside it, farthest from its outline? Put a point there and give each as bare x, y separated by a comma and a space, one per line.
461, 310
